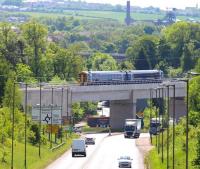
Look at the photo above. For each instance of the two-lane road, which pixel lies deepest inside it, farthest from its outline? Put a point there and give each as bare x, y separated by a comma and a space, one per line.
103, 155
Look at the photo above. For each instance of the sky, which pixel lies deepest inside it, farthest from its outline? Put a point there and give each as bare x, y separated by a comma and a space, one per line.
163, 4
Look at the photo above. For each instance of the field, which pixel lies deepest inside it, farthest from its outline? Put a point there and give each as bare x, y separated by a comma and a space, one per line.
87, 14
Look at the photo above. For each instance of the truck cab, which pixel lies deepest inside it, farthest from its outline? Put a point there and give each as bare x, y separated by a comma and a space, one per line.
132, 128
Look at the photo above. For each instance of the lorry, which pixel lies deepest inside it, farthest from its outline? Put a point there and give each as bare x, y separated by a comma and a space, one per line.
132, 128
78, 147
155, 126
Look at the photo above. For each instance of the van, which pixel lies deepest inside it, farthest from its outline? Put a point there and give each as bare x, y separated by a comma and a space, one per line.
78, 147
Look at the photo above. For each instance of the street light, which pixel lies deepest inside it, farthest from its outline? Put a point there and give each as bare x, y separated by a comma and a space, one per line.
150, 113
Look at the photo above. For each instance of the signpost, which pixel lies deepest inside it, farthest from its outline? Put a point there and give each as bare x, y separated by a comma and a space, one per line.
46, 114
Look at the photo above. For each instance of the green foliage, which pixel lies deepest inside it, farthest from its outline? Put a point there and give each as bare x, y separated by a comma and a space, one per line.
153, 159
4, 72
34, 137
9, 46
126, 66
143, 53
174, 72
196, 161
78, 113
57, 80
194, 94
24, 73
186, 60
35, 35
194, 118
103, 62
180, 35
197, 67
89, 108
8, 94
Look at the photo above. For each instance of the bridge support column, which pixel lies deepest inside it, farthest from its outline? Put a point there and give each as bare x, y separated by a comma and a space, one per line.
180, 106
121, 110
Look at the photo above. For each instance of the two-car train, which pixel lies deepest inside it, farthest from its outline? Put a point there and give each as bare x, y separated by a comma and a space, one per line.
120, 77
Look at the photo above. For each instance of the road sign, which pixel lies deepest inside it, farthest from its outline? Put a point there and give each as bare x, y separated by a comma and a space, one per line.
46, 114
55, 128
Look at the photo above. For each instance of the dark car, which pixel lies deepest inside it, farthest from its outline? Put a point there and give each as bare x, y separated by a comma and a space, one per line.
89, 140
77, 129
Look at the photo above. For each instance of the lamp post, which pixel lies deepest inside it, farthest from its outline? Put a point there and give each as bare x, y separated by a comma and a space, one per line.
187, 113
159, 121
174, 100
173, 134
25, 127
162, 123
13, 120
51, 116
156, 119
187, 120
40, 119
167, 127
62, 113
150, 113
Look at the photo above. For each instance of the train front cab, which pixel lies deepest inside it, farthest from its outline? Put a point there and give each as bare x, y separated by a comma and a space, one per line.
83, 78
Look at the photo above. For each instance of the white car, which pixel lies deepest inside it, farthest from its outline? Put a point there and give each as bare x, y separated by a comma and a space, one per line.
125, 162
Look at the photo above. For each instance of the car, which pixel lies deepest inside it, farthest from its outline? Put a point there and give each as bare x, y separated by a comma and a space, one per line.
77, 129
89, 140
125, 162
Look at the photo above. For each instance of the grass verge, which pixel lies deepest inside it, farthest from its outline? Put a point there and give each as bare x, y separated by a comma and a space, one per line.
33, 159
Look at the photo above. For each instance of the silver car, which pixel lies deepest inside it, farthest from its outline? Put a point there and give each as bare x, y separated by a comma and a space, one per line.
125, 162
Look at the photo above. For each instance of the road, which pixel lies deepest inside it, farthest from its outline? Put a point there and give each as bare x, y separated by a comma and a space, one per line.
102, 155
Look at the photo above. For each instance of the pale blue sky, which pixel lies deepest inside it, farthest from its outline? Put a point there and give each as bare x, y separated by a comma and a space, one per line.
156, 3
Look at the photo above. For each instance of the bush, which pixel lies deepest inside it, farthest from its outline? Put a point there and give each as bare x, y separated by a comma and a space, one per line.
34, 136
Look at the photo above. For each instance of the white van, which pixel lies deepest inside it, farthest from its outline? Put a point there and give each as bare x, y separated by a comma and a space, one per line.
78, 147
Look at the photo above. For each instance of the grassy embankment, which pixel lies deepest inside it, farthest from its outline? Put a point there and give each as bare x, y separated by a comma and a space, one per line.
153, 159
33, 159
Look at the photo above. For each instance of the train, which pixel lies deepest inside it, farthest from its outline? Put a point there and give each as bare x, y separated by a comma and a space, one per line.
120, 77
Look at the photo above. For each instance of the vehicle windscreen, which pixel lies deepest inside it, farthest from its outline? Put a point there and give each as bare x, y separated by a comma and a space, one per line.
154, 124
129, 127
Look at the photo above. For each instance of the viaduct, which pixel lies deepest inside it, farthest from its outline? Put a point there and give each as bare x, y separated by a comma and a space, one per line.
123, 98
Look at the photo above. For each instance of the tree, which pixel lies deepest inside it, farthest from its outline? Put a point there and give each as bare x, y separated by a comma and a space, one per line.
9, 46
100, 61
35, 34
197, 67
179, 35
126, 66
143, 53
9, 91
77, 112
4, 72
67, 64
196, 162
194, 95
186, 60
89, 108
24, 73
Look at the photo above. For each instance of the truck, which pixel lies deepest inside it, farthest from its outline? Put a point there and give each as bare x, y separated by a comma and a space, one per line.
155, 125
78, 147
132, 128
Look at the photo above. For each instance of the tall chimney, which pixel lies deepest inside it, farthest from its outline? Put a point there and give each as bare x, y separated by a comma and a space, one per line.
128, 13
